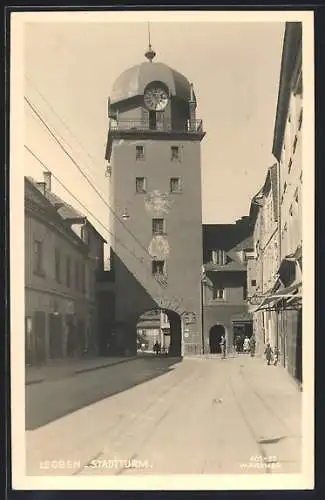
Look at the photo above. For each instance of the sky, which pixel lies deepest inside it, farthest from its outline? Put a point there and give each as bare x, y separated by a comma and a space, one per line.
70, 68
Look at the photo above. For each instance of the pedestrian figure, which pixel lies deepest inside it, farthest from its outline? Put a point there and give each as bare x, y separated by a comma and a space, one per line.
252, 345
239, 344
276, 356
157, 348
223, 346
268, 353
246, 344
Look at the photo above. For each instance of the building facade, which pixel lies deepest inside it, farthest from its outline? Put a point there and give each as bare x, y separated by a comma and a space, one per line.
267, 260
287, 149
225, 308
153, 150
277, 302
60, 275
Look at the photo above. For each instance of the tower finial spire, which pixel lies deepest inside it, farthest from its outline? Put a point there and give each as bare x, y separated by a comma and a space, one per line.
150, 54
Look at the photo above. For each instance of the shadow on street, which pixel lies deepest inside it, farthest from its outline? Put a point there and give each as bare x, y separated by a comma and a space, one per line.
54, 399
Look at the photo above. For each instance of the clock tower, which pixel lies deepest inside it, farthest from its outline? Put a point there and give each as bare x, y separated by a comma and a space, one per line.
153, 151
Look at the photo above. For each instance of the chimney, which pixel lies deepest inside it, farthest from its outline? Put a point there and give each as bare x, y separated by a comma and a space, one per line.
47, 180
42, 187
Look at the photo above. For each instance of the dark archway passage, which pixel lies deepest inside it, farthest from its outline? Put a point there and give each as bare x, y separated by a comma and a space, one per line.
215, 335
162, 326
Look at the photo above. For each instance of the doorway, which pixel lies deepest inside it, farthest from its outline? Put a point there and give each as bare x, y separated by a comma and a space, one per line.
152, 120
216, 332
162, 327
39, 338
56, 337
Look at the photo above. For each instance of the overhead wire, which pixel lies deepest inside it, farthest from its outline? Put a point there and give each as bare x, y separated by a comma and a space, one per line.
79, 202
85, 176
64, 123
119, 241
37, 113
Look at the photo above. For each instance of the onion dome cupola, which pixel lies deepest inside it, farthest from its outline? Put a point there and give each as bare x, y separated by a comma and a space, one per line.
153, 95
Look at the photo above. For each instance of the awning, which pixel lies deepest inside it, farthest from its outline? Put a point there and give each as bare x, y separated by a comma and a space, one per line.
287, 294
267, 302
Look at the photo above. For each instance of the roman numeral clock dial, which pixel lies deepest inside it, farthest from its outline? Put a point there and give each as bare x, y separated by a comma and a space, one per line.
156, 98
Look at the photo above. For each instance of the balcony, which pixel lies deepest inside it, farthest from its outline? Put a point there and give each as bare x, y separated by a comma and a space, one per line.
194, 127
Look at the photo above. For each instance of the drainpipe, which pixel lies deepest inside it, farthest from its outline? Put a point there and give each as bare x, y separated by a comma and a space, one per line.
202, 315
278, 254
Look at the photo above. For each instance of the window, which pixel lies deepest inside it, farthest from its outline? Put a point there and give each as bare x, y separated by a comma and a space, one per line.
158, 267
253, 282
57, 265
83, 278
68, 272
298, 85
295, 143
289, 166
296, 195
139, 152
218, 293
175, 185
158, 226
175, 155
77, 276
38, 257
291, 211
284, 190
140, 184
218, 257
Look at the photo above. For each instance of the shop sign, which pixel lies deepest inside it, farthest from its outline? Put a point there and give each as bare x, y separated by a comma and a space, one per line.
189, 318
256, 300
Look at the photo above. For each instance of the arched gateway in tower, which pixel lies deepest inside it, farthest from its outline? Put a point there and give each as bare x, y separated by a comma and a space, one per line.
153, 151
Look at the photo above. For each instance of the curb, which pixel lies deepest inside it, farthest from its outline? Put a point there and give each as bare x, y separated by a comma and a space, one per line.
100, 367
33, 382
82, 370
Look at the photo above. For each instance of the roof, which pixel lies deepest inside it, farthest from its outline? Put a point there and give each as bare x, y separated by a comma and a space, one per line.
49, 207
66, 211
224, 236
270, 183
133, 81
245, 244
291, 49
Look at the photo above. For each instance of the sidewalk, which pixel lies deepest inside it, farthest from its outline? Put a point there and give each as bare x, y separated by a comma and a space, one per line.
244, 357
64, 368
273, 402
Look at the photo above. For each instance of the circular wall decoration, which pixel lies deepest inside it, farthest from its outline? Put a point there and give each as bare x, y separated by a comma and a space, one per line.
159, 247
157, 203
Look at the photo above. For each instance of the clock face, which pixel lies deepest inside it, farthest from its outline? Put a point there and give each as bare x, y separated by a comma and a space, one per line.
156, 98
